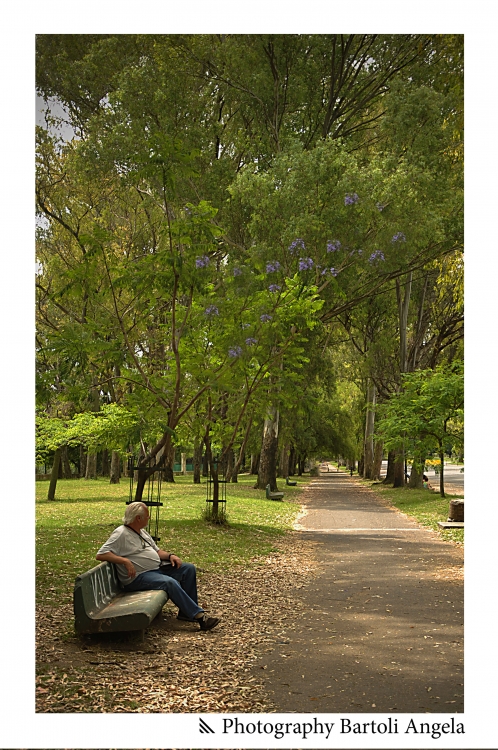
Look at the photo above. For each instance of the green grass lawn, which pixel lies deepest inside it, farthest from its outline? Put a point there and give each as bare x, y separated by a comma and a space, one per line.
71, 528
425, 506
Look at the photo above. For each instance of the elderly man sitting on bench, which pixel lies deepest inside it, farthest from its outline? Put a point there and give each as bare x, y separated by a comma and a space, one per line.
141, 565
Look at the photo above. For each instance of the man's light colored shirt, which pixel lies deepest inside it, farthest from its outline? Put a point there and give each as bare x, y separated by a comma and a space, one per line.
142, 552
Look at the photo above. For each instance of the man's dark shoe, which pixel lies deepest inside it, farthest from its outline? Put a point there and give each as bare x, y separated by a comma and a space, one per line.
208, 623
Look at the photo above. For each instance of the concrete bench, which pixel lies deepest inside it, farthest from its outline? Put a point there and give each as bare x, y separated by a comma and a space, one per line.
102, 606
289, 483
273, 495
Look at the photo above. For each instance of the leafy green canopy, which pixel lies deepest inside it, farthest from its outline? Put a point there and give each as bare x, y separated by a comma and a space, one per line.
158, 286
428, 413
111, 428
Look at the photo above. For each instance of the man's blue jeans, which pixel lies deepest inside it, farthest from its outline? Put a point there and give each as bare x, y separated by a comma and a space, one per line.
179, 583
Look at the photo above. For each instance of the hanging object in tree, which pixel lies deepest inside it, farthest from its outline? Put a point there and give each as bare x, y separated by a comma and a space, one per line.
153, 497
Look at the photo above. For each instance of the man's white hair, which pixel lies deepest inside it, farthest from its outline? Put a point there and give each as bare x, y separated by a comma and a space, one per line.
133, 510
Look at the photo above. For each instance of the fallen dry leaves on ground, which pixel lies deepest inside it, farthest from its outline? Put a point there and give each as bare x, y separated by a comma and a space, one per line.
177, 668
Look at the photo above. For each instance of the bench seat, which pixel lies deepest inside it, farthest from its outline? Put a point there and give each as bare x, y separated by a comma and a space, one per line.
273, 495
101, 605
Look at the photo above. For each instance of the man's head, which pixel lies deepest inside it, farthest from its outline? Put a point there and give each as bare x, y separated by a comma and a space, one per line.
136, 514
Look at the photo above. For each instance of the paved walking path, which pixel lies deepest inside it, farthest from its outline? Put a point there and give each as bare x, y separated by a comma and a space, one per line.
383, 624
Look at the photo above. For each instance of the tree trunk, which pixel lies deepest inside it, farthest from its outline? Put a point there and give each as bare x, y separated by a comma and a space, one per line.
66, 466
238, 462
83, 458
205, 465
416, 481
292, 461
254, 463
267, 473
197, 461
377, 462
168, 462
391, 457
141, 478
164, 458
403, 307
91, 460
441, 472
229, 464
54, 474
284, 461
369, 432
399, 469
115, 473
105, 463
91, 466
129, 472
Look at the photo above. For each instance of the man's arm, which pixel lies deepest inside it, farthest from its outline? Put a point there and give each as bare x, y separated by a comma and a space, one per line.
170, 557
112, 558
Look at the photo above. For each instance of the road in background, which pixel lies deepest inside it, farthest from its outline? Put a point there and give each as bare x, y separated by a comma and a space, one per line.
453, 476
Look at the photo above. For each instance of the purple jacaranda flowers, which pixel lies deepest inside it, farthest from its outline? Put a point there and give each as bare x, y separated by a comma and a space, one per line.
297, 245
377, 255
235, 351
245, 325
332, 271
333, 246
272, 267
211, 310
398, 237
202, 262
274, 288
251, 342
265, 318
237, 271
349, 199
305, 264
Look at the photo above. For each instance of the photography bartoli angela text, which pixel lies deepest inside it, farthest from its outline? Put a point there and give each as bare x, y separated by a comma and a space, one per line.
309, 730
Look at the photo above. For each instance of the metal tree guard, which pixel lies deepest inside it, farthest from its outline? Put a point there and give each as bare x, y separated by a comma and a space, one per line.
222, 488
153, 494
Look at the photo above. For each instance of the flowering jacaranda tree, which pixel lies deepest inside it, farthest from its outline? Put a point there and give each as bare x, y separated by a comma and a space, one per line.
374, 217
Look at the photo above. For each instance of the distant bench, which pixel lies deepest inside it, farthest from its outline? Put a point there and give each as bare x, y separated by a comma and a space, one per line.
102, 606
273, 495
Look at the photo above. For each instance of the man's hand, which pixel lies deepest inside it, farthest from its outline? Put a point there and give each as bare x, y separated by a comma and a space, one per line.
130, 568
117, 560
175, 561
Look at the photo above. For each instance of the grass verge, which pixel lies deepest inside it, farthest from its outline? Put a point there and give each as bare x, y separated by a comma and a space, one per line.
71, 528
424, 506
